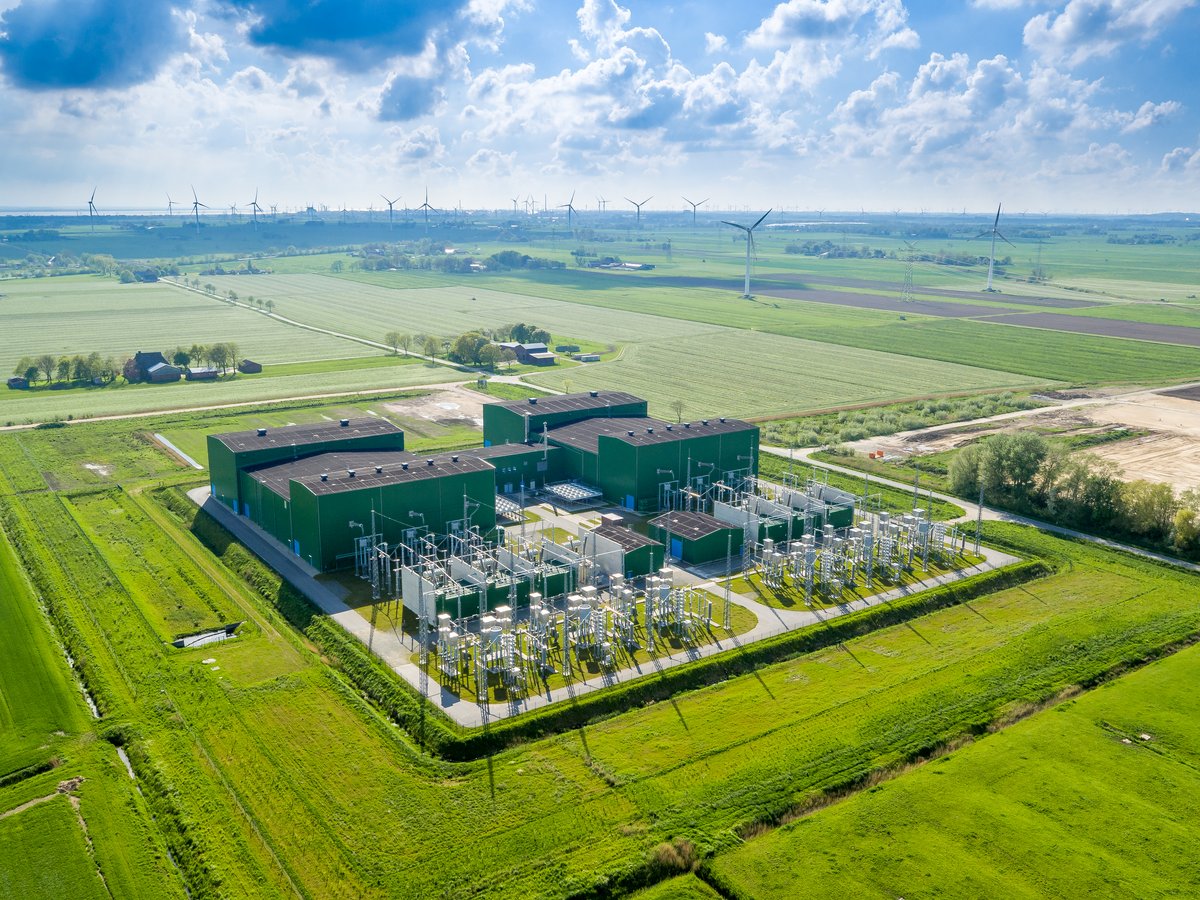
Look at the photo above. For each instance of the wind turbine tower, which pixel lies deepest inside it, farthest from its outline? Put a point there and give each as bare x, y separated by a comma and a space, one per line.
569, 206
693, 206
196, 204
255, 209
391, 209
749, 247
995, 233
170, 206
427, 208
639, 208
92, 211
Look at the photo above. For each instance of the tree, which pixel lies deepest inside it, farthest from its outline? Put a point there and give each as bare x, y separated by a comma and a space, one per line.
46, 363
130, 371
336, 266
108, 370
1185, 533
508, 355
1010, 466
219, 353
1149, 508
23, 366
392, 339
232, 296
79, 369
432, 345
466, 347
270, 305
677, 408
405, 341
488, 356
180, 357
964, 470
235, 354
30, 374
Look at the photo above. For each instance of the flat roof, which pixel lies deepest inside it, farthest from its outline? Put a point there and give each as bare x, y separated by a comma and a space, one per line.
585, 435
309, 469
625, 537
301, 435
691, 525
558, 403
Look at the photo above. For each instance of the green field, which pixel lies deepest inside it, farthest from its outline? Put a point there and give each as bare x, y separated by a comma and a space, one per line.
44, 854
282, 779
85, 313
1077, 783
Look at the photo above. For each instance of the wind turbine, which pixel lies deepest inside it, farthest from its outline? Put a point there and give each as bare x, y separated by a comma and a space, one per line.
170, 206
569, 206
255, 209
995, 233
693, 206
92, 211
602, 203
515, 201
425, 206
749, 246
639, 208
391, 208
196, 204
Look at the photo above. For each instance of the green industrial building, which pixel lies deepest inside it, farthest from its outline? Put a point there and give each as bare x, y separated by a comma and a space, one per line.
318, 488
637, 462
697, 538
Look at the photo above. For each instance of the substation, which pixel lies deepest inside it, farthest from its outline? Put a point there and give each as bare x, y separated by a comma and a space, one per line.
503, 602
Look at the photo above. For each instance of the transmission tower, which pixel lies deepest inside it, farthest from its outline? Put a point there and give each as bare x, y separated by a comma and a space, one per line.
910, 255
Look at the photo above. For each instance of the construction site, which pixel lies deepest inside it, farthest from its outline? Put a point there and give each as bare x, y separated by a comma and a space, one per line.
583, 538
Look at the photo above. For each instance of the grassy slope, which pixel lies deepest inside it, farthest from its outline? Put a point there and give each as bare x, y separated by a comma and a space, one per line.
37, 697
1074, 784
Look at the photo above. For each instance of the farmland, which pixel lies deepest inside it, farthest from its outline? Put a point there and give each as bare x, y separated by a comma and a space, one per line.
954, 826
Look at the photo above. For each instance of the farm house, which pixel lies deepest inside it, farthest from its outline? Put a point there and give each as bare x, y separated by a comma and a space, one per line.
634, 461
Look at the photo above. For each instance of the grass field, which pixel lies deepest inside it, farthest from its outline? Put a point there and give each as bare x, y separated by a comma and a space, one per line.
85, 313
1034, 792
45, 854
290, 782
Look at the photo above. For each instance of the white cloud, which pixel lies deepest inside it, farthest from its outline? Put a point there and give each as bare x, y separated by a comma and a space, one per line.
1181, 159
1150, 114
1086, 29
835, 20
714, 43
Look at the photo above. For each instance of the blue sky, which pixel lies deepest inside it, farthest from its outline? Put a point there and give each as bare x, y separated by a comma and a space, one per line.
1070, 105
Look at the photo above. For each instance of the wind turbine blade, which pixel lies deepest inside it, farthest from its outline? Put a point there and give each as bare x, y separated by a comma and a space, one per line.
702, 202
996, 224
760, 220
688, 202
93, 197
1006, 240
735, 225
647, 200
982, 234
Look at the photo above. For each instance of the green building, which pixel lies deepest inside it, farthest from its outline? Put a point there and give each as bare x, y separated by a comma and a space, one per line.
230, 454
697, 538
524, 421
618, 550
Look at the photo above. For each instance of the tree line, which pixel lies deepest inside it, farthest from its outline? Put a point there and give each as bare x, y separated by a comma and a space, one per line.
1026, 473
80, 369
471, 348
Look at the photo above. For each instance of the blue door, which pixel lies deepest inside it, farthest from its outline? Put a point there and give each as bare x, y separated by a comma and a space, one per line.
296, 547
629, 502
677, 548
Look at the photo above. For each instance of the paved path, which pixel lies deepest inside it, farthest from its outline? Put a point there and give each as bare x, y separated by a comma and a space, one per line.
990, 513
397, 652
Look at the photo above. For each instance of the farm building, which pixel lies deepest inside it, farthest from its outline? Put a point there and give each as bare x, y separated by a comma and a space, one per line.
530, 354
202, 373
18, 383
697, 538
634, 461
163, 372
249, 367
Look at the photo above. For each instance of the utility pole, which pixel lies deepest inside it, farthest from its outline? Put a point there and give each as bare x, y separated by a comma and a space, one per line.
979, 518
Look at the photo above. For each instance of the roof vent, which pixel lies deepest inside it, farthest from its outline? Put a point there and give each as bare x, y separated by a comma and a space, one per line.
704, 421
454, 458
649, 430
533, 401
324, 476
404, 466
630, 433
345, 423
349, 473
262, 432
593, 393
721, 420
429, 462
670, 428
687, 424
379, 470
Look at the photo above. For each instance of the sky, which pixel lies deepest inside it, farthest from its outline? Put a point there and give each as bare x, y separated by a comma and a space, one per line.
1062, 106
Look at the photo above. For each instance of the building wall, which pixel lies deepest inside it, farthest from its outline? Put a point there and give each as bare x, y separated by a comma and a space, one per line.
320, 521
536, 468
710, 548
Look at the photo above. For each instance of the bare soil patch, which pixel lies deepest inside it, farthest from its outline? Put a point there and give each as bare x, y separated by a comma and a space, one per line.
450, 406
1136, 331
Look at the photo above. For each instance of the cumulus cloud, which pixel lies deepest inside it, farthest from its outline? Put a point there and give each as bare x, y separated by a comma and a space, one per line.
714, 43
1094, 28
357, 34
823, 20
1150, 114
1181, 159
54, 44
407, 97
